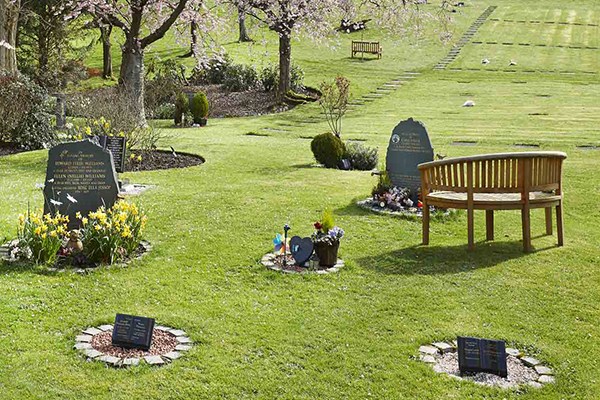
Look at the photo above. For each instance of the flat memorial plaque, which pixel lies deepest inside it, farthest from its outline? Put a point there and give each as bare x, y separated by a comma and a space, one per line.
481, 355
408, 147
133, 332
117, 147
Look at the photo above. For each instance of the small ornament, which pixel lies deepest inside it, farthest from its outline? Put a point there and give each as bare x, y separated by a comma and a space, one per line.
74, 245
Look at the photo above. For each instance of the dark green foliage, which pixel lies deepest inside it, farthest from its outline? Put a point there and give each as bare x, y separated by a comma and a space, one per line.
199, 107
164, 79
328, 149
213, 71
240, 78
269, 77
361, 157
24, 119
182, 105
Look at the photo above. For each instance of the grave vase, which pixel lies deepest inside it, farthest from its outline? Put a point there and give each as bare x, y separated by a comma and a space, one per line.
327, 253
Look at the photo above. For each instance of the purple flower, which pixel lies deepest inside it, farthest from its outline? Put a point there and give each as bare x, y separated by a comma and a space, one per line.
336, 232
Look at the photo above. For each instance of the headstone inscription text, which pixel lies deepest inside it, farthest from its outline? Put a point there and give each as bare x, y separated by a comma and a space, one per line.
482, 355
408, 147
133, 332
80, 177
117, 147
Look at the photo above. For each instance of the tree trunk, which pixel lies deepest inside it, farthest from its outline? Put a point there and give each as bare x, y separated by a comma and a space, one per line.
242, 25
9, 17
131, 78
107, 68
285, 59
43, 48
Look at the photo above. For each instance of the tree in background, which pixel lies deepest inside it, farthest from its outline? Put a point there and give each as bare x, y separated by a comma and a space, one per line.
9, 18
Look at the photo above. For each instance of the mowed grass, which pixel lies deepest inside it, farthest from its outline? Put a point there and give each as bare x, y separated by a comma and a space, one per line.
356, 334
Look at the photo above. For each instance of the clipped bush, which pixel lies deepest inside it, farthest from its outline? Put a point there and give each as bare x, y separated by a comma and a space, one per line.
199, 107
361, 157
240, 78
328, 149
182, 104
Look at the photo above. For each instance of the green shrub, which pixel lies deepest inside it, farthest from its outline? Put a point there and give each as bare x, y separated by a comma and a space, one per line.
240, 78
212, 71
269, 77
164, 111
23, 113
199, 107
361, 157
328, 149
327, 220
182, 104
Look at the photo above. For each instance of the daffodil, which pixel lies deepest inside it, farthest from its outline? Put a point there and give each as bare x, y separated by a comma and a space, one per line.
44, 236
88, 131
78, 215
84, 221
139, 158
53, 234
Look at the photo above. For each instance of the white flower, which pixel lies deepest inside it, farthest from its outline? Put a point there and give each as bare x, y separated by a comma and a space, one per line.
39, 185
56, 202
71, 198
69, 125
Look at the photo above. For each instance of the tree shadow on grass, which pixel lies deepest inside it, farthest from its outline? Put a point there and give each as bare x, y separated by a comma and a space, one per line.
441, 260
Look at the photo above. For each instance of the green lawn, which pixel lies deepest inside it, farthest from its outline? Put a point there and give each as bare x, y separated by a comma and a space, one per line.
356, 334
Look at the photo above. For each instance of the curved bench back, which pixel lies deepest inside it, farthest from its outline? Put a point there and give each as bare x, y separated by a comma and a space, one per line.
495, 173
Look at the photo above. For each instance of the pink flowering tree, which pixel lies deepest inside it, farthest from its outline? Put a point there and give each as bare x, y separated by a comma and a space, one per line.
143, 22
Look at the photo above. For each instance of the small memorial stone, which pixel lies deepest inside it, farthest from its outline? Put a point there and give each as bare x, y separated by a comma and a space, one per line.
182, 347
82, 346
173, 355
482, 355
80, 177
117, 145
132, 332
530, 361
177, 332
546, 379
110, 360
543, 370
513, 352
154, 360
408, 147
183, 339
428, 359
428, 350
443, 347
105, 328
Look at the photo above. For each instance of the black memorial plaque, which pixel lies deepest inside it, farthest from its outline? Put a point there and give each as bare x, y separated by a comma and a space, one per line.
409, 146
80, 177
117, 147
481, 355
133, 332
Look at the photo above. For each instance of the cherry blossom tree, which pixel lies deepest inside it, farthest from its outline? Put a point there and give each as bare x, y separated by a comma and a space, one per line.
143, 22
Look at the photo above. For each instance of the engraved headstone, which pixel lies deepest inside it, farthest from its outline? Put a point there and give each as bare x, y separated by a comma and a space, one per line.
117, 146
409, 146
80, 177
61, 111
133, 332
481, 355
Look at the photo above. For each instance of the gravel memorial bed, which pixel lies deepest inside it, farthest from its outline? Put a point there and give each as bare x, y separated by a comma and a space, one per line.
168, 344
275, 263
522, 370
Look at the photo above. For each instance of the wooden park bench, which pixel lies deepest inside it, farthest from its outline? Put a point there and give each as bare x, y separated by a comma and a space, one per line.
366, 47
508, 181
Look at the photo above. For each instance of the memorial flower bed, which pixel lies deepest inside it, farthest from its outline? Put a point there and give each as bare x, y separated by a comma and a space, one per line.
105, 236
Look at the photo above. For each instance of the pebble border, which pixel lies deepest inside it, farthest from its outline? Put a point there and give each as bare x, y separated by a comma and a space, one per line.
367, 205
268, 261
83, 343
429, 354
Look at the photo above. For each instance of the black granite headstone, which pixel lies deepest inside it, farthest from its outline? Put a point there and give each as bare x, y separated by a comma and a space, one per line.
301, 249
133, 332
409, 146
481, 355
117, 146
80, 177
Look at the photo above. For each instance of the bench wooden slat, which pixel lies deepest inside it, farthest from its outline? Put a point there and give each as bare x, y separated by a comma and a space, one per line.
496, 182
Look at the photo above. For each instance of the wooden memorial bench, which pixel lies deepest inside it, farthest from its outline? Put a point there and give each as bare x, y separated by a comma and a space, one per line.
366, 47
508, 181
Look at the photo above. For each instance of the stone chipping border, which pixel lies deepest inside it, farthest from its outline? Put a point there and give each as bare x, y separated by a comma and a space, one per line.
83, 344
268, 260
430, 354
367, 205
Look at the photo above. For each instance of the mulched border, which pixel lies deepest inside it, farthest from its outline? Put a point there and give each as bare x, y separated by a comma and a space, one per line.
155, 160
268, 260
432, 353
83, 343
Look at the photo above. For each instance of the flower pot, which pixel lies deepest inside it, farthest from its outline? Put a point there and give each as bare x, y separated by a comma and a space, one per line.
327, 253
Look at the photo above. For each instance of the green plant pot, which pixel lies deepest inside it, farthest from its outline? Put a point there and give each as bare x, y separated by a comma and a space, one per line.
327, 253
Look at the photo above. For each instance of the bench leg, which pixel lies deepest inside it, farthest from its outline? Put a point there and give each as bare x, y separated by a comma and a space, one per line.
559, 224
471, 228
489, 224
548, 220
425, 224
526, 223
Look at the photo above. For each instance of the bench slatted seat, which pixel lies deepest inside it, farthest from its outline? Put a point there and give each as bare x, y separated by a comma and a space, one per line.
366, 47
505, 181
